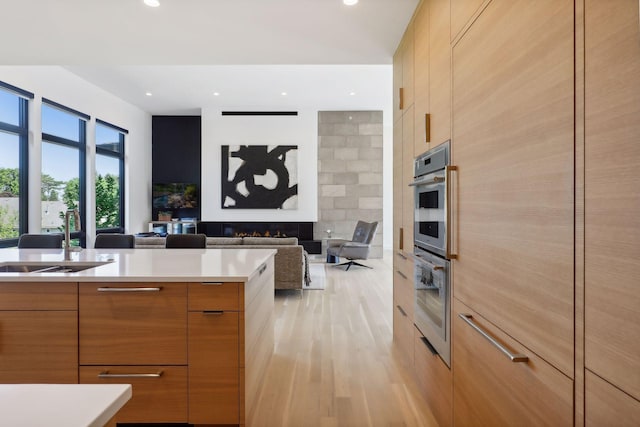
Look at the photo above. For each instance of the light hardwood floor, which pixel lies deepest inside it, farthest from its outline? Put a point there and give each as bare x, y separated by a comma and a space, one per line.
334, 362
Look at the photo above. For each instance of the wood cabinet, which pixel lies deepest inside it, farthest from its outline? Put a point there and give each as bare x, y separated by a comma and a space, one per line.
421, 134
489, 389
403, 305
606, 405
435, 380
612, 197
440, 71
461, 13
133, 324
214, 353
407, 178
159, 392
513, 143
38, 333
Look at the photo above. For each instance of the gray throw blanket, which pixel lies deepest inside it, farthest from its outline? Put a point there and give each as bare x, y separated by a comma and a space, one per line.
307, 276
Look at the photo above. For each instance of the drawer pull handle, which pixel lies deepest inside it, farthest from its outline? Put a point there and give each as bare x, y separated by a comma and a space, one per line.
404, 313
513, 357
429, 346
262, 269
213, 312
106, 374
158, 289
401, 255
212, 283
401, 274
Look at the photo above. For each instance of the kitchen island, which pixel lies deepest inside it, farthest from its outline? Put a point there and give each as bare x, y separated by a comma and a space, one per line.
190, 329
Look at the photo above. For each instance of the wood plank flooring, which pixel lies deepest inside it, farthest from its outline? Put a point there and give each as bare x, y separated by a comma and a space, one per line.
334, 361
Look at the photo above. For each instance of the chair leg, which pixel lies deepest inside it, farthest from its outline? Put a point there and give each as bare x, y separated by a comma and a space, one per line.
350, 263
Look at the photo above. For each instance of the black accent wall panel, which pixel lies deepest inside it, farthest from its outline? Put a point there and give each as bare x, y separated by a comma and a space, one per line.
176, 155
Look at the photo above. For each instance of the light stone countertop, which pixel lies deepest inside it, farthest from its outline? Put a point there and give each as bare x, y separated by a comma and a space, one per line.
68, 405
141, 265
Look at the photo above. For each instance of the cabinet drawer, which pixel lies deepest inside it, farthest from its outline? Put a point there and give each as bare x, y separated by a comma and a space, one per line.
213, 296
403, 333
38, 296
435, 381
156, 399
606, 405
133, 324
490, 389
38, 347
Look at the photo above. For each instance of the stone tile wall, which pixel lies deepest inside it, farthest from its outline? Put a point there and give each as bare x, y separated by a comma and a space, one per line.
349, 173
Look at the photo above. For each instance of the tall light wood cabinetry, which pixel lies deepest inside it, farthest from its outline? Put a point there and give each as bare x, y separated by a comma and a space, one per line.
513, 130
612, 206
544, 105
422, 119
403, 149
38, 333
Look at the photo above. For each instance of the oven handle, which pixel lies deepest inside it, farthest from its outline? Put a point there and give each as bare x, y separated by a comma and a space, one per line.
513, 357
449, 254
427, 181
431, 265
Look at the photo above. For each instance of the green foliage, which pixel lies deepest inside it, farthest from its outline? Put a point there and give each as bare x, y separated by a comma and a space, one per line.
107, 201
71, 193
8, 223
50, 188
9, 182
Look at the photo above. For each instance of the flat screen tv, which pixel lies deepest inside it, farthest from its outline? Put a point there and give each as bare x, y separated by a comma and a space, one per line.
175, 196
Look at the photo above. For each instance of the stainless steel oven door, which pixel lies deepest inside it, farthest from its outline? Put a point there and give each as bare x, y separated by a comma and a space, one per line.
430, 227
432, 301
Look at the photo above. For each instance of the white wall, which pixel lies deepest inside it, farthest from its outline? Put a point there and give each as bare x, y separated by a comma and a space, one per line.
59, 85
300, 130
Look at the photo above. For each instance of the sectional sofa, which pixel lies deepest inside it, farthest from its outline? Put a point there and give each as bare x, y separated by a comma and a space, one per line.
290, 259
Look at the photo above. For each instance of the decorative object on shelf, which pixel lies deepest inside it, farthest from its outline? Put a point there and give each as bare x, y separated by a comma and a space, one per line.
259, 177
164, 215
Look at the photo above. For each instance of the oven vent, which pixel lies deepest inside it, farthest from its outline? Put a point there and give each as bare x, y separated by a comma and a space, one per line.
259, 113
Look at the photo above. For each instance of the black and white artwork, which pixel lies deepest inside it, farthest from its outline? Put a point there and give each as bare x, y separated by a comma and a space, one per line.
259, 177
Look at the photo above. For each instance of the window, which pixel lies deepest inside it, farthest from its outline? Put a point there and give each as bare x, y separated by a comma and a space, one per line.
109, 177
13, 163
63, 176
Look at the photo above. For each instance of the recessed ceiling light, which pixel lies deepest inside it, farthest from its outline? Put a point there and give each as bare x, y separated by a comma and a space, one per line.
148, 94
216, 93
349, 2
156, 3
284, 94
352, 93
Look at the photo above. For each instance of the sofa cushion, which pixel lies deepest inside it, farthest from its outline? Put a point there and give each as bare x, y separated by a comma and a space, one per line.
256, 241
215, 241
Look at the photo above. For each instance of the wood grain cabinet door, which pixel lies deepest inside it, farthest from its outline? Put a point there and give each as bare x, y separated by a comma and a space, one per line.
513, 143
133, 323
214, 376
612, 192
38, 347
491, 390
440, 71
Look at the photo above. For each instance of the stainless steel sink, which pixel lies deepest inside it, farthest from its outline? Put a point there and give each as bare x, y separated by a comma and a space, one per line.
48, 267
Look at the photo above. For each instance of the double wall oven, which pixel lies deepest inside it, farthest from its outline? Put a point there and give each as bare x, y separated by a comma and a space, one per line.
432, 249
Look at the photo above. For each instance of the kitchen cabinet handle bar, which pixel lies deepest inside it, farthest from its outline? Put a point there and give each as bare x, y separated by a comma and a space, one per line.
106, 289
401, 255
513, 357
213, 312
401, 274
212, 283
106, 374
448, 211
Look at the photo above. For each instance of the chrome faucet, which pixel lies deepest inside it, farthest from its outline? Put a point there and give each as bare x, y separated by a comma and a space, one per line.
67, 232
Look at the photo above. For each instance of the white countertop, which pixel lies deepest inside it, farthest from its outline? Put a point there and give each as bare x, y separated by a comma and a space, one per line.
140, 265
61, 405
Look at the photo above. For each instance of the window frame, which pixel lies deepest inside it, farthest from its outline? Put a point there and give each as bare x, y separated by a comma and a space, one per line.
119, 154
22, 130
81, 145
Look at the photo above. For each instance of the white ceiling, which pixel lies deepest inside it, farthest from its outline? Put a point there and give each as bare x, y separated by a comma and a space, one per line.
247, 50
